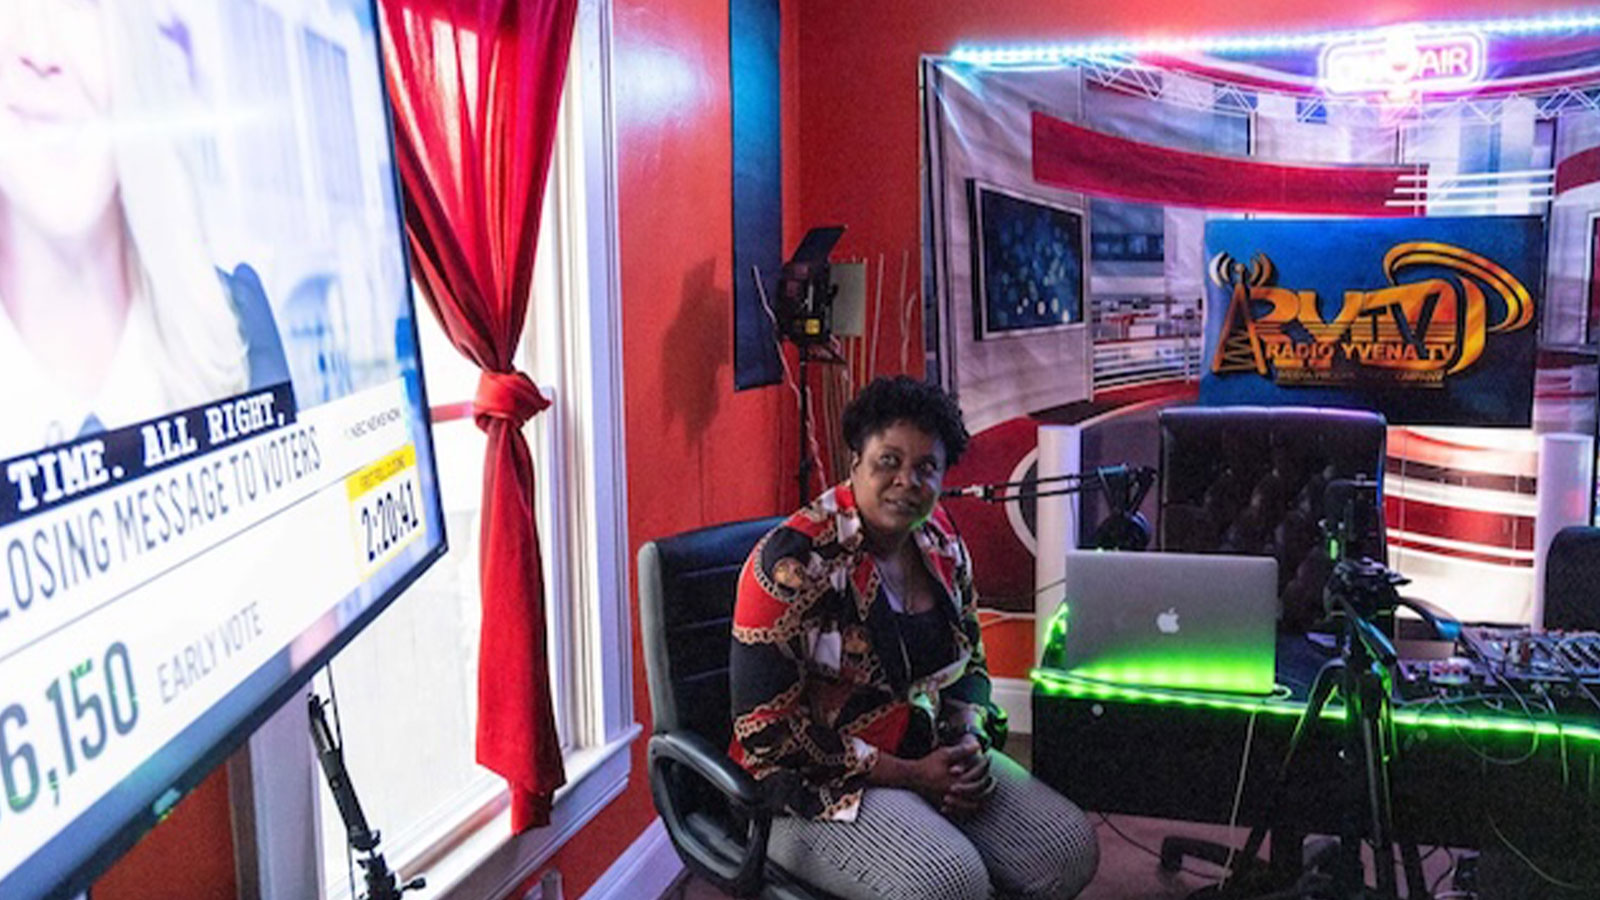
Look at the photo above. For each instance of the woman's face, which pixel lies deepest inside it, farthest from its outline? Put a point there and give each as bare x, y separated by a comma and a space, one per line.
896, 478
56, 167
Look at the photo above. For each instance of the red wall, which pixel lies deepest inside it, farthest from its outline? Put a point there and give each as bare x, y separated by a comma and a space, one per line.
190, 854
697, 452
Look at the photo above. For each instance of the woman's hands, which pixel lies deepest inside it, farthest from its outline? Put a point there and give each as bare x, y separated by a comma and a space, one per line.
971, 783
954, 778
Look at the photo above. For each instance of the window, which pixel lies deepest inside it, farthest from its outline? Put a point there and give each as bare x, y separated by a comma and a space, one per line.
406, 686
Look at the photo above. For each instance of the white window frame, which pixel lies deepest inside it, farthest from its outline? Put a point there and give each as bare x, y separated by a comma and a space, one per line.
273, 780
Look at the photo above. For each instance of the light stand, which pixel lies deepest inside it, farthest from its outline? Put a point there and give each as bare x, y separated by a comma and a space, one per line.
804, 317
1123, 486
825, 355
382, 884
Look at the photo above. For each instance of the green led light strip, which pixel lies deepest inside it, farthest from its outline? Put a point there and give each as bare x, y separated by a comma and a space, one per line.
1056, 683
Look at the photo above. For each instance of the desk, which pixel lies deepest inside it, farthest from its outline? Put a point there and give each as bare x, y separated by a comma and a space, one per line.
1177, 755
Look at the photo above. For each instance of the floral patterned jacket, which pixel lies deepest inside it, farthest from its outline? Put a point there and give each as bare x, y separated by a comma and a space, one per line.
819, 677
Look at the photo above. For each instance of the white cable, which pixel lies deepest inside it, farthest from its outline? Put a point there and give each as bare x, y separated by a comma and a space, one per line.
1238, 796
908, 306
877, 319
996, 616
905, 323
1533, 867
1433, 889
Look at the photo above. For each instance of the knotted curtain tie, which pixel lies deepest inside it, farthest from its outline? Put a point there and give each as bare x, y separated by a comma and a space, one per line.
506, 395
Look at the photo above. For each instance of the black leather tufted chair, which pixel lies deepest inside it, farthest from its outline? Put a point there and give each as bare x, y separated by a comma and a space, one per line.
714, 812
1251, 480
1572, 580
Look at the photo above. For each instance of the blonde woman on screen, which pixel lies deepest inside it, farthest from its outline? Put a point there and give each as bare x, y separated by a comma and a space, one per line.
111, 311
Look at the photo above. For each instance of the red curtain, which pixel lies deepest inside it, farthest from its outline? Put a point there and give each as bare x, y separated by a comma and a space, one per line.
475, 86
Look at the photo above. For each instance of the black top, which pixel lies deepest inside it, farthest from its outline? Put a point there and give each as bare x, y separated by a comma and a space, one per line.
926, 636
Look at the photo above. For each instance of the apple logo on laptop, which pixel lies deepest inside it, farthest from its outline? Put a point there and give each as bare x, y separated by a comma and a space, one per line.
1167, 622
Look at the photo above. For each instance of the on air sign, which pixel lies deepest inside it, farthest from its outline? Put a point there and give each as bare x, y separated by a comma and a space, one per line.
1403, 63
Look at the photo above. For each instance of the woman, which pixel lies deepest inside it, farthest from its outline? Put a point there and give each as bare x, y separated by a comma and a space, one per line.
110, 309
860, 694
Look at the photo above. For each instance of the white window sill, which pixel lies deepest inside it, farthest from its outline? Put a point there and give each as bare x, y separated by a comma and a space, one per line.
485, 860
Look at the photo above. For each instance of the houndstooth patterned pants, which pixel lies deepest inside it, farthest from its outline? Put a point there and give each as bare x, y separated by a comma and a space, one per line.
1027, 841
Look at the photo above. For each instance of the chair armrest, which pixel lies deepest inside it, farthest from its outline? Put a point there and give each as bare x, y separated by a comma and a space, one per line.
709, 762
738, 873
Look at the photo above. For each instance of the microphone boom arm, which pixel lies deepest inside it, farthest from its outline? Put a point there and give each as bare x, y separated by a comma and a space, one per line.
1123, 486
382, 883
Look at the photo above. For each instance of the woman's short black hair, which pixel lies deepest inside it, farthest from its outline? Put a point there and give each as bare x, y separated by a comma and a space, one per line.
888, 400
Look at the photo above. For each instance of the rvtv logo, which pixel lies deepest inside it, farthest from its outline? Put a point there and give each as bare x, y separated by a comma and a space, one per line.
1424, 330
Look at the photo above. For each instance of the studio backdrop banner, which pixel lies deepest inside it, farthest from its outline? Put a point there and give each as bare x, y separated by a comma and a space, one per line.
1108, 234
1430, 321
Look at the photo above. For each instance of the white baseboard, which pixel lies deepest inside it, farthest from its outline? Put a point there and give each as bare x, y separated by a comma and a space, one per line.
646, 869
1015, 696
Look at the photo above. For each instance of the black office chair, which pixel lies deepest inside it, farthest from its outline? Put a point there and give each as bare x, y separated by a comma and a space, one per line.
715, 813
1572, 580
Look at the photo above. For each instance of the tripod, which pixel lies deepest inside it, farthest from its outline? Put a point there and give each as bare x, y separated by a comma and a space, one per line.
1358, 591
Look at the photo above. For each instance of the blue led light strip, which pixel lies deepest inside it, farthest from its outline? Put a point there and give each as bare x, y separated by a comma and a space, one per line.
1035, 54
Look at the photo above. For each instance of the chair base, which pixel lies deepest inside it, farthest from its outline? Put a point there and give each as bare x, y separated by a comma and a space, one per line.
1302, 873
1292, 869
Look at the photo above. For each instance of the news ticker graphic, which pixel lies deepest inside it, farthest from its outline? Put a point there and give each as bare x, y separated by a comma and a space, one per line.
35, 482
132, 604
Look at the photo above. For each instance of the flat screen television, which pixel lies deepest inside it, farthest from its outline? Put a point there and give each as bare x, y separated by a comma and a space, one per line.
215, 457
1028, 263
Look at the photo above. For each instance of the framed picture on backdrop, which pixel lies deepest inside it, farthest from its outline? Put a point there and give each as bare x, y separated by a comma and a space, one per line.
1029, 258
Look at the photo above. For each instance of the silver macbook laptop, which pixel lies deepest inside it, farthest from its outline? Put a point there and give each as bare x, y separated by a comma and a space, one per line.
1172, 620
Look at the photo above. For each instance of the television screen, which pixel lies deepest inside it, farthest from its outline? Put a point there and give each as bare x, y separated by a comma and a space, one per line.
215, 461
1028, 263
